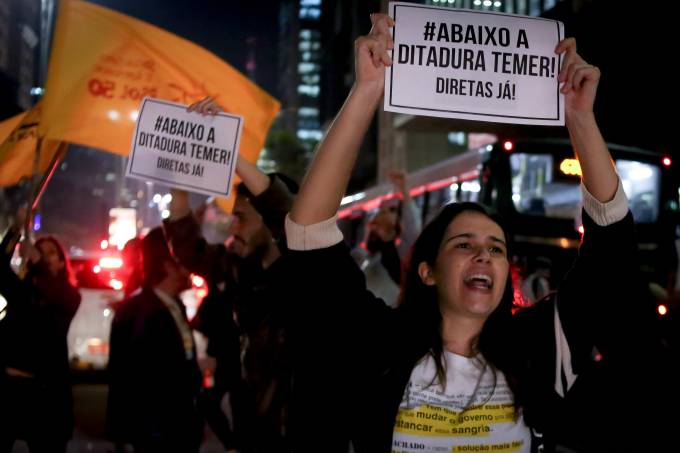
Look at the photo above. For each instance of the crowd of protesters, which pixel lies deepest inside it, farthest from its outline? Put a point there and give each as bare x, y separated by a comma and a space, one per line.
315, 347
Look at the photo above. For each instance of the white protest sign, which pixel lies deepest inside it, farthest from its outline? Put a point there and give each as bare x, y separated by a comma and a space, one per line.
474, 65
186, 150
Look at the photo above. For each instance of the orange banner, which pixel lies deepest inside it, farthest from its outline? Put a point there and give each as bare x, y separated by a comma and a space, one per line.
103, 63
18, 140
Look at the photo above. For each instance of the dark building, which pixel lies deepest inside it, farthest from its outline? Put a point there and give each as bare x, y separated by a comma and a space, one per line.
23, 32
81, 192
343, 22
523, 7
316, 68
299, 126
636, 99
300, 55
22, 69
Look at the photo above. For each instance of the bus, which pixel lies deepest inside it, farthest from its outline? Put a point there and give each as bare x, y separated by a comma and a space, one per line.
535, 186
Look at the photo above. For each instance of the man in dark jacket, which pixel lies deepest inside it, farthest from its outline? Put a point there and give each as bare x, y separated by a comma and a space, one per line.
154, 376
248, 267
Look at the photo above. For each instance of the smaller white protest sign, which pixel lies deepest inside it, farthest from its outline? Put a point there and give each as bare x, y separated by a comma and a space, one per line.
186, 150
474, 65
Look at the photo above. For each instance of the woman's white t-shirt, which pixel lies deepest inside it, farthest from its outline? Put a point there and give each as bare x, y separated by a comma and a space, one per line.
475, 412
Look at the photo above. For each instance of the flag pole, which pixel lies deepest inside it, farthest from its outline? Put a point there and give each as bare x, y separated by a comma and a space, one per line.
40, 188
28, 223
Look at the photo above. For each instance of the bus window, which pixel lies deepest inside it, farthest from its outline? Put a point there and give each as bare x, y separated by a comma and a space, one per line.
543, 185
454, 193
469, 191
437, 199
538, 189
642, 183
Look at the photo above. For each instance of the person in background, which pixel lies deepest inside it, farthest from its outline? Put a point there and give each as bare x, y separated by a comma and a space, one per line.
36, 402
390, 233
154, 379
536, 285
220, 363
241, 276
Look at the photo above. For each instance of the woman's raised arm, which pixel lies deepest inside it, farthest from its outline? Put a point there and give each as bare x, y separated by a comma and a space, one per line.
326, 181
580, 81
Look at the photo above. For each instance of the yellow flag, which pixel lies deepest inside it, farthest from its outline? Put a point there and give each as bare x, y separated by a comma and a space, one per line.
18, 140
103, 63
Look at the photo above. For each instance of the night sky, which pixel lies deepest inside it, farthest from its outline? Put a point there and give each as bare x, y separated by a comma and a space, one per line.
627, 42
221, 26
637, 97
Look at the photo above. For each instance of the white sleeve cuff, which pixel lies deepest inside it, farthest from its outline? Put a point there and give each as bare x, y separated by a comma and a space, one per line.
609, 212
312, 237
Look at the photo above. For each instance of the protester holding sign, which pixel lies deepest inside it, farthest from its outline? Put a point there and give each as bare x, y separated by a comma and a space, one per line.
241, 278
172, 146
452, 369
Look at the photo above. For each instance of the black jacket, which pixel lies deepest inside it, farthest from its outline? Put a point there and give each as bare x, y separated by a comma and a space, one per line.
153, 386
354, 355
260, 415
33, 334
40, 309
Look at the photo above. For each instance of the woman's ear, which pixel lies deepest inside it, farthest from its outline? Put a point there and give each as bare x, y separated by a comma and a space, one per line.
425, 272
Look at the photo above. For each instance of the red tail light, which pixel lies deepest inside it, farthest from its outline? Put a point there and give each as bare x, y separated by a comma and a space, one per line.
518, 298
208, 379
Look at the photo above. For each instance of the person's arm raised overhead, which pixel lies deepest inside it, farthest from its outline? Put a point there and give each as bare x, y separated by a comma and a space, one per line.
326, 181
254, 179
580, 81
411, 221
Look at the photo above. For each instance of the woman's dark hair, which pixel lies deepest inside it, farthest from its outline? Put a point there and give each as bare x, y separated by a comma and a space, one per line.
420, 302
66, 272
155, 253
